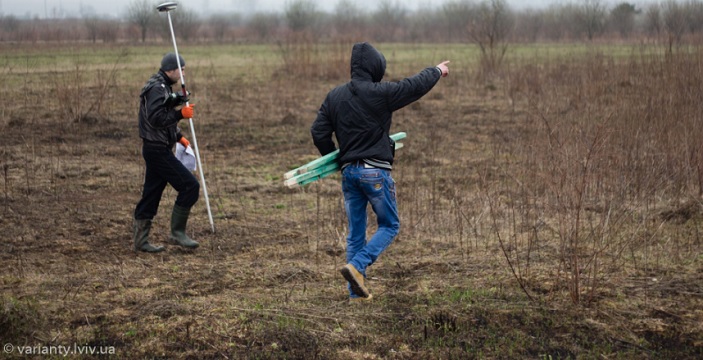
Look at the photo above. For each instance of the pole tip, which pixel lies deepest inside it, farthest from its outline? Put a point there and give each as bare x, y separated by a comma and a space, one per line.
167, 6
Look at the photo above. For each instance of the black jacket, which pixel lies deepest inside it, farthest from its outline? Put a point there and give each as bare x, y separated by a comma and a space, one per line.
360, 111
158, 122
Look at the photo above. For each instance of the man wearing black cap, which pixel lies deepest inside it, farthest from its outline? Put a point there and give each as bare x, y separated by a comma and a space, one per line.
160, 110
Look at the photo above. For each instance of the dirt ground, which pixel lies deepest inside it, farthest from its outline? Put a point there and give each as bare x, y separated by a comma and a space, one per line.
265, 284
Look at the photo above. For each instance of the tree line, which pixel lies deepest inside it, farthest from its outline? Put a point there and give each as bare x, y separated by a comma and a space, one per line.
487, 22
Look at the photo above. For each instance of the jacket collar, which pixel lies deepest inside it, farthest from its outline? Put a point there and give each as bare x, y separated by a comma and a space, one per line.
165, 77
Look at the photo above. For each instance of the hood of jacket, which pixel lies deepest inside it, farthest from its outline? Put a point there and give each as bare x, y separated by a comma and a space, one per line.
367, 63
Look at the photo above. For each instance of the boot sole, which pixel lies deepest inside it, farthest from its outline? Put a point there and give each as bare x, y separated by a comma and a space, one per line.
356, 288
174, 242
360, 300
156, 250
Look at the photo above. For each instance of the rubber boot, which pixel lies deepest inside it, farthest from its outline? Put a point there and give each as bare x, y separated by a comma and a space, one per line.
179, 219
141, 237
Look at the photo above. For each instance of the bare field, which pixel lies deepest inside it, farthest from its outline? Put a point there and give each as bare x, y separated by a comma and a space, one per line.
514, 244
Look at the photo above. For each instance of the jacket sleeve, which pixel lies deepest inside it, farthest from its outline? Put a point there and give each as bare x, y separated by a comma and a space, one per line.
158, 114
411, 89
322, 129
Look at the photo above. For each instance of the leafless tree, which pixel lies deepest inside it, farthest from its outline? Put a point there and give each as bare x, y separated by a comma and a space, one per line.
489, 29
264, 25
301, 15
220, 24
694, 15
388, 19
9, 23
529, 24
108, 30
622, 18
92, 25
425, 25
653, 20
674, 23
185, 24
552, 19
142, 13
348, 18
593, 13
457, 17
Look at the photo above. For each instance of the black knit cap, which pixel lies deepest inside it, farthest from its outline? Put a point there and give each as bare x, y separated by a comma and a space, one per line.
169, 62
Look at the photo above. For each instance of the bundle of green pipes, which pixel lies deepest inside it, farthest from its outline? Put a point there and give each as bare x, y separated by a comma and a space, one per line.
323, 167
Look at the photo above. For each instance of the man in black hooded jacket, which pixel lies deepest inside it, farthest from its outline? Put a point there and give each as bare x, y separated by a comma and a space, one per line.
359, 114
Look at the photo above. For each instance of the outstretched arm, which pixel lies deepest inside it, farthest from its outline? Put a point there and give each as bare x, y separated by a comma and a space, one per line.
411, 89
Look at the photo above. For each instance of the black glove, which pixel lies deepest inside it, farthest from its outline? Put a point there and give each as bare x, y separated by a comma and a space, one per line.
176, 98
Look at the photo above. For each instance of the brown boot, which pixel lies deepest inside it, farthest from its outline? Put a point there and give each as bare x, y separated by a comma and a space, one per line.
360, 300
355, 279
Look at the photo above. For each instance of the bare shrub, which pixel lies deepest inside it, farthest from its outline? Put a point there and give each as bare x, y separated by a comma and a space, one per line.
264, 26
489, 29
79, 100
389, 18
92, 25
609, 146
348, 18
305, 56
674, 23
185, 25
108, 31
301, 15
141, 14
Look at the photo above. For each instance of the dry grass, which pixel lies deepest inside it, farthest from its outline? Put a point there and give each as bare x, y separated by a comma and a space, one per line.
547, 214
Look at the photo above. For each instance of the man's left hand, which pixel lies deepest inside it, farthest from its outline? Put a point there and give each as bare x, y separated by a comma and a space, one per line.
184, 142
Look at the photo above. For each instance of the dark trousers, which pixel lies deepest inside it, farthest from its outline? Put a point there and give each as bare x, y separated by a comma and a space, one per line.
163, 168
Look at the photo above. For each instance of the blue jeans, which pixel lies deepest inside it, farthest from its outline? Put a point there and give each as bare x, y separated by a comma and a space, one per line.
163, 168
361, 186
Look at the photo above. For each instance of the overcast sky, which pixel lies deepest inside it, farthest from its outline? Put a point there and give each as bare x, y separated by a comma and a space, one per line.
117, 8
